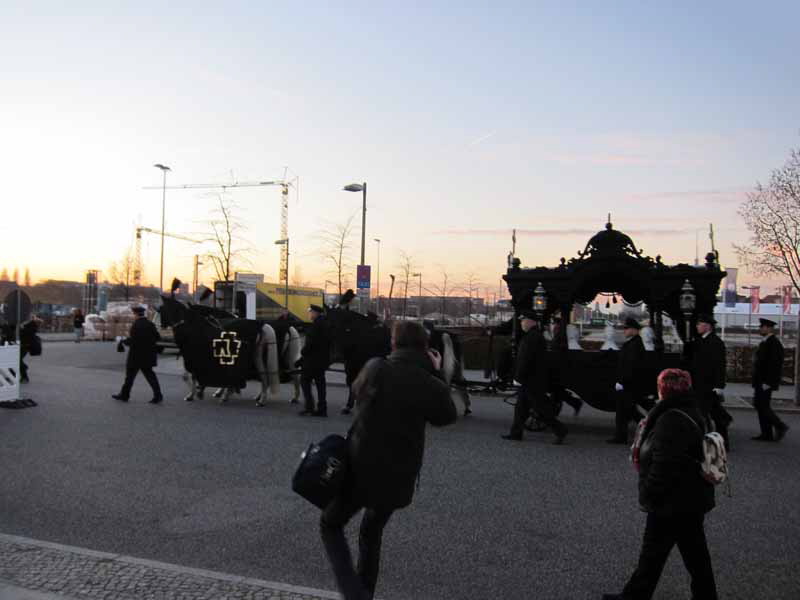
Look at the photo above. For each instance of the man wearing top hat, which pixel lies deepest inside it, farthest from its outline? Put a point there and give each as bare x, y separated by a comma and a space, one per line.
316, 357
708, 367
531, 372
142, 356
629, 386
766, 379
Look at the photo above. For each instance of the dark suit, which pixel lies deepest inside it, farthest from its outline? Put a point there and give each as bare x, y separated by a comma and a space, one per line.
142, 356
531, 372
316, 355
766, 379
630, 369
708, 365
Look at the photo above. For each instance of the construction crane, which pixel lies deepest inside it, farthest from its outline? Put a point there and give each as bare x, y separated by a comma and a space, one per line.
137, 270
283, 183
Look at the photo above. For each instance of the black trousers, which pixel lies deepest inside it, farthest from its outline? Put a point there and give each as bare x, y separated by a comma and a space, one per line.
355, 583
767, 419
542, 405
627, 411
149, 375
660, 535
23, 368
318, 377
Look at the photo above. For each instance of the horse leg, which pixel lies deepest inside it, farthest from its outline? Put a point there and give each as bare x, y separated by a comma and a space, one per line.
465, 399
201, 389
296, 382
190, 382
223, 394
219, 392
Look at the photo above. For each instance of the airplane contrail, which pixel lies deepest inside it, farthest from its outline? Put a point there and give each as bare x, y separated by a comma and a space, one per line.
481, 139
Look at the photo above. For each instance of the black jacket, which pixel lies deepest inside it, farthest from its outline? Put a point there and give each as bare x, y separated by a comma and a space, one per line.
708, 364
631, 368
142, 341
395, 398
768, 363
316, 350
670, 481
531, 367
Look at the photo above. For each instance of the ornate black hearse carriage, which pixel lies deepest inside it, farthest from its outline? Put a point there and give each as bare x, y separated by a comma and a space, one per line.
611, 263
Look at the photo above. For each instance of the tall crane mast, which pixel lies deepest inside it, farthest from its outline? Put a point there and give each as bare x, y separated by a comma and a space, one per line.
137, 269
283, 183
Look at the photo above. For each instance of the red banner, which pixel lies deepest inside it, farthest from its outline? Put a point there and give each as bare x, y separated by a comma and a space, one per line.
755, 301
787, 299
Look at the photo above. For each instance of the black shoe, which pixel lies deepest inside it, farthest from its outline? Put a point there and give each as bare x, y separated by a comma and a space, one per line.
306, 413
467, 412
780, 432
294, 401
119, 397
346, 410
157, 400
516, 437
320, 413
762, 438
617, 440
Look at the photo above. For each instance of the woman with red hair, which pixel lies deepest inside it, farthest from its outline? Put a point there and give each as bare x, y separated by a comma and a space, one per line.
673, 492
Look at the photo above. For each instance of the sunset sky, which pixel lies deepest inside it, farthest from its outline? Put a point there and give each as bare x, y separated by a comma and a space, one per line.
466, 120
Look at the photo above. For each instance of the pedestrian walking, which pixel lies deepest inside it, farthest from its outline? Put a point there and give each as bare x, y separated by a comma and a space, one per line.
708, 366
142, 356
767, 379
395, 399
77, 324
29, 343
315, 357
531, 372
630, 385
673, 492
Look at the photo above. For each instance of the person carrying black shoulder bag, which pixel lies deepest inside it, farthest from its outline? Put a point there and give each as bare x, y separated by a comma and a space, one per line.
395, 399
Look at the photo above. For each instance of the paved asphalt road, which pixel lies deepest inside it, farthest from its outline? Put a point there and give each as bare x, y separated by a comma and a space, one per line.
207, 486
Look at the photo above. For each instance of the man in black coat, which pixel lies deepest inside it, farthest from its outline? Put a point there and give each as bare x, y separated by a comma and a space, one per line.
531, 373
629, 387
142, 356
767, 379
395, 399
708, 366
673, 492
316, 357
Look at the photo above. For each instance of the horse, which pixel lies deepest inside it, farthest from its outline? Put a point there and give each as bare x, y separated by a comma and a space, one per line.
194, 328
449, 346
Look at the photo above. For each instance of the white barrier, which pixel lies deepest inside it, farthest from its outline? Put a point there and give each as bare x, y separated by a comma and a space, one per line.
9, 372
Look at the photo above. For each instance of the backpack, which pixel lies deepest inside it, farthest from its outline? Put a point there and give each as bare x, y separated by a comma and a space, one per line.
714, 466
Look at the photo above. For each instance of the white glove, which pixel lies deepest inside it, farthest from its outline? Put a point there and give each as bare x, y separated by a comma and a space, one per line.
517, 383
618, 387
718, 391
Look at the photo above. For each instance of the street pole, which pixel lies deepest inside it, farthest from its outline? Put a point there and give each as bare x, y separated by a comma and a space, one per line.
363, 219
286, 295
378, 302
164, 170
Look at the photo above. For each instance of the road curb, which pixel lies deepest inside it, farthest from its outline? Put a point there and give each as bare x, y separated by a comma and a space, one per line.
121, 559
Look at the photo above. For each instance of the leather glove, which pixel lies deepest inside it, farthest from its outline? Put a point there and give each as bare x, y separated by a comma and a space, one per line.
618, 387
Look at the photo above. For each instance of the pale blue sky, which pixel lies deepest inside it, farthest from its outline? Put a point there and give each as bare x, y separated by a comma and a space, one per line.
466, 120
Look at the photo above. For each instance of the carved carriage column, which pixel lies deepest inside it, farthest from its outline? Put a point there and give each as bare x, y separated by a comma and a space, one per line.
658, 327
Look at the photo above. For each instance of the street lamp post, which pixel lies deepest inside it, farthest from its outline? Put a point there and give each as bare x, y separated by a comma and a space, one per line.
419, 311
750, 309
164, 169
285, 241
378, 295
360, 187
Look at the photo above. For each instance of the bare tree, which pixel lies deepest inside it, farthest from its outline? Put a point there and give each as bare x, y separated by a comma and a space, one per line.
406, 267
335, 246
772, 215
231, 250
442, 290
471, 285
297, 278
122, 272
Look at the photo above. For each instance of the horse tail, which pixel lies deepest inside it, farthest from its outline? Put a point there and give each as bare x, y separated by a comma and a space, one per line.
293, 348
271, 344
448, 358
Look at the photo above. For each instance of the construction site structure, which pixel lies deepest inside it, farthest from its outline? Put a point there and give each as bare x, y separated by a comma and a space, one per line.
137, 260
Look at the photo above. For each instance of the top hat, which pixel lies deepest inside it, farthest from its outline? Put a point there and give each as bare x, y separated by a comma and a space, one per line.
139, 310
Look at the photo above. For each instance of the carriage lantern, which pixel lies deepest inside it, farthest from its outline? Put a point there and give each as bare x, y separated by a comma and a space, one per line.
539, 299
688, 302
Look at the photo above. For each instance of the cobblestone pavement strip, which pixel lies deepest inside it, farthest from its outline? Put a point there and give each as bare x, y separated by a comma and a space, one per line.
76, 573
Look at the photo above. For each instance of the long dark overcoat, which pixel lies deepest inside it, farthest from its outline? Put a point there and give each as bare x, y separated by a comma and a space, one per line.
395, 398
142, 341
768, 363
316, 350
631, 368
